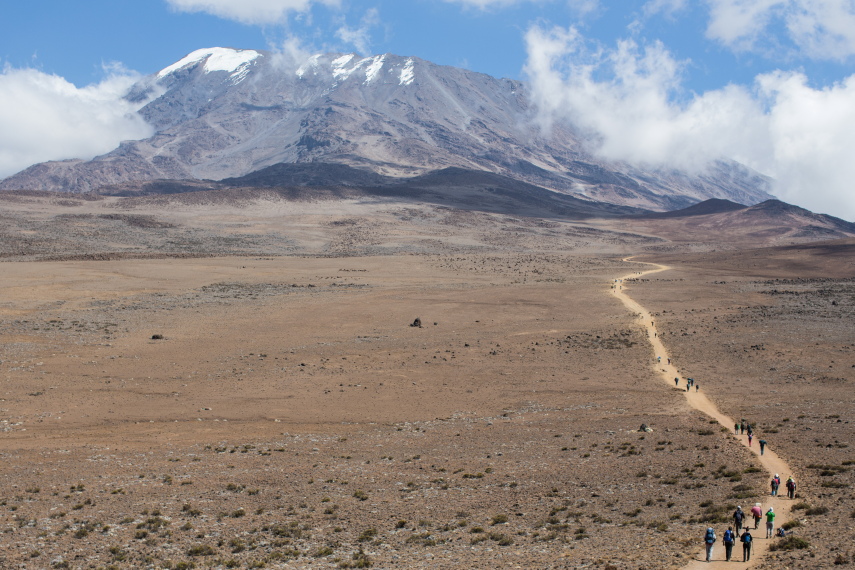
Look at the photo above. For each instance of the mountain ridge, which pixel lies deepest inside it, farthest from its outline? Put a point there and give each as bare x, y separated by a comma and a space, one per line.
223, 113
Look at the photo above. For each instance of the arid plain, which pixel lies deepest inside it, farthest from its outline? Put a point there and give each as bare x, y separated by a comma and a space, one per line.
231, 380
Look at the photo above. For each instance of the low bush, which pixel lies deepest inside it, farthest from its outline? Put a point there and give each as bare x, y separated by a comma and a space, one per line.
790, 543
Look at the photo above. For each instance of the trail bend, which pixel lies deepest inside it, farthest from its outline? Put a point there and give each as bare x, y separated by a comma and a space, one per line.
769, 461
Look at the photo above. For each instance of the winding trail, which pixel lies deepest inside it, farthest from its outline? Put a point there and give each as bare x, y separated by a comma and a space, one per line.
769, 461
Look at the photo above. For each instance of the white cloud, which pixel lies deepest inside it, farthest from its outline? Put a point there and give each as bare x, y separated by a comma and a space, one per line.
249, 11
813, 134
290, 55
360, 37
486, 4
630, 105
667, 7
820, 29
44, 117
581, 7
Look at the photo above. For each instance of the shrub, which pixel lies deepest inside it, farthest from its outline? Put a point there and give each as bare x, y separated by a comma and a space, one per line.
790, 543
816, 511
200, 550
499, 519
367, 534
501, 539
791, 524
359, 560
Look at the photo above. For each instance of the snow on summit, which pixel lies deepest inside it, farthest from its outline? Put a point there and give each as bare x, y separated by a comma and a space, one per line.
408, 74
374, 67
233, 61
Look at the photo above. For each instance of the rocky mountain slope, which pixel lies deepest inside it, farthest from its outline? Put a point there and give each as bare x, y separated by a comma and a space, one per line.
768, 223
221, 113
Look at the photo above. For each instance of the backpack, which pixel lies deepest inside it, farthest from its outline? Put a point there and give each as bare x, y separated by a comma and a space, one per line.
739, 516
746, 538
710, 537
728, 536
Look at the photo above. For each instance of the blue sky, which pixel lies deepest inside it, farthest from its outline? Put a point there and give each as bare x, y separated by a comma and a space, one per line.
658, 82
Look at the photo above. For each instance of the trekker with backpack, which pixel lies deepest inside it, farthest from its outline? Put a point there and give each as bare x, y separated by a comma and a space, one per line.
738, 518
709, 541
776, 482
791, 487
770, 523
746, 540
729, 539
758, 514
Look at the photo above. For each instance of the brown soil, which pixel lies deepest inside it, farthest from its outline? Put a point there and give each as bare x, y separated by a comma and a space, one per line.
291, 418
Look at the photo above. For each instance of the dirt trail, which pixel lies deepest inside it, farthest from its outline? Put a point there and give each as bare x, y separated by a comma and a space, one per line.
698, 400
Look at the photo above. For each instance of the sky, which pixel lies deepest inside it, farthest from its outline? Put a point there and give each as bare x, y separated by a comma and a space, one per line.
658, 83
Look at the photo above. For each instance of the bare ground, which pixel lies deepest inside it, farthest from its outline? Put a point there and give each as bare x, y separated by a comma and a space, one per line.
291, 418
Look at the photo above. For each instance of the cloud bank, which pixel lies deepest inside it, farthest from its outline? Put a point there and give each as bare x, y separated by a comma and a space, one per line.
44, 117
360, 38
629, 103
820, 29
258, 12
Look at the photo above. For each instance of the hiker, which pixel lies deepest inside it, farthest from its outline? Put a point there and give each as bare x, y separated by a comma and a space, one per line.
749, 430
776, 482
750, 437
669, 361
781, 533
735, 429
762, 443
697, 387
746, 540
791, 487
709, 541
728, 539
738, 518
770, 523
658, 360
757, 513
742, 428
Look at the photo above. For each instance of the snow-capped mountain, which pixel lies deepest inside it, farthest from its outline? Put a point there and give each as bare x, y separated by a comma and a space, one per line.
221, 113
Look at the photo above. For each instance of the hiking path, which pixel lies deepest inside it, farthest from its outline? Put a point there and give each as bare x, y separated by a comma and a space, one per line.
769, 461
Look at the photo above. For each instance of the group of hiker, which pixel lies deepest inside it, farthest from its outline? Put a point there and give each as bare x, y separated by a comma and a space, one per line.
729, 539
790, 485
742, 427
731, 535
689, 382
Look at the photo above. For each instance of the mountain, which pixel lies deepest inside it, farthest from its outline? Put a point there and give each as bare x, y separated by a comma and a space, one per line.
449, 188
223, 113
769, 223
711, 206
